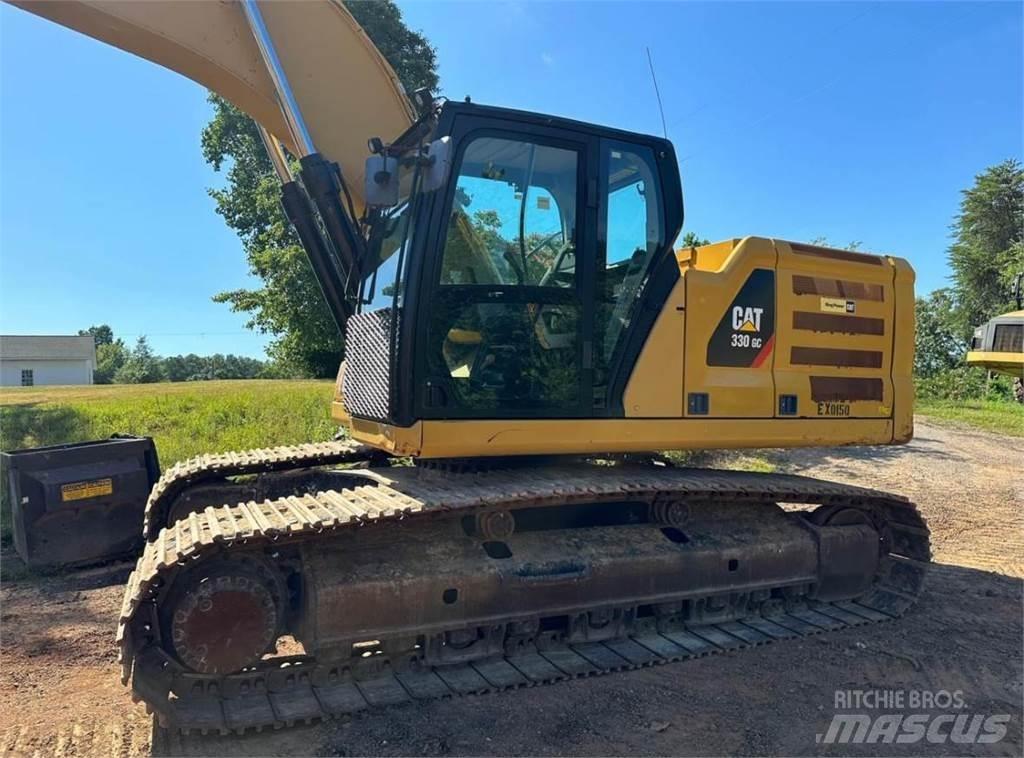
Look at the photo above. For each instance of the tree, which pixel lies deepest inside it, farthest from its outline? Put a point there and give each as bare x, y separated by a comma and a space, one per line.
690, 239
988, 244
110, 353
109, 360
141, 367
938, 346
102, 334
823, 242
289, 304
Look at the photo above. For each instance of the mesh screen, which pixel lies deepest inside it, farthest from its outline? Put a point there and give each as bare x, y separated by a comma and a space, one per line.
367, 381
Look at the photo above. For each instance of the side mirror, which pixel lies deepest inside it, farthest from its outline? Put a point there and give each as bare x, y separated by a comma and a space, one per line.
439, 166
380, 181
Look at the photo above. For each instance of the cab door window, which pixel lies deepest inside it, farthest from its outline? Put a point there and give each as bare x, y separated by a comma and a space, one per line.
634, 231
505, 324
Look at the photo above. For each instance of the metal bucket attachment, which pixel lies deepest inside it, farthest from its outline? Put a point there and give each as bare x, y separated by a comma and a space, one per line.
80, 503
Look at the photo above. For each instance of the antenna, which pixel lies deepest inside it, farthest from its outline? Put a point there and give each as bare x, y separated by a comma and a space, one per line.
657, 92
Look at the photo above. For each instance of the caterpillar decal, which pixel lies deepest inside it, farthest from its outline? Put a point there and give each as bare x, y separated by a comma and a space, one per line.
745, 336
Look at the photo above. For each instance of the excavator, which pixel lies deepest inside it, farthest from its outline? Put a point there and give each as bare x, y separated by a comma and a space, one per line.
521, 339
998, 344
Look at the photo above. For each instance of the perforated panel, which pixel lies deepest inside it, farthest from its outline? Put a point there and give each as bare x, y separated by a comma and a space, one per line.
367, 382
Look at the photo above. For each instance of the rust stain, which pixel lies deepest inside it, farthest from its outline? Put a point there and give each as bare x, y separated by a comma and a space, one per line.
836, 388
827, 356
834, 322
814, 285
830, 252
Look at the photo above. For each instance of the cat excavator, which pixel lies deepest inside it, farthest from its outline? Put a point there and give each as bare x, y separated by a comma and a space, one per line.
522, 338
998, 344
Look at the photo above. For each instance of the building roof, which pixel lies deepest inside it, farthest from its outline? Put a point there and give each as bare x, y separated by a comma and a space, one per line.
47, 347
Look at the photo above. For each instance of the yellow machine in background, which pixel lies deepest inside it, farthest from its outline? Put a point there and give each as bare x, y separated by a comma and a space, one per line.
998, 345
516, 321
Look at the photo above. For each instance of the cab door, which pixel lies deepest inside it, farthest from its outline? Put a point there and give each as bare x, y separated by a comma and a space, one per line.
504, 328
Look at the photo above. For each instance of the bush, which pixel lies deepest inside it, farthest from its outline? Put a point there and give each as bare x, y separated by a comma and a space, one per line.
965, 383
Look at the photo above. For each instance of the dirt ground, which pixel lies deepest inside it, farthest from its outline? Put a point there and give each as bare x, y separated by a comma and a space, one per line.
60, 693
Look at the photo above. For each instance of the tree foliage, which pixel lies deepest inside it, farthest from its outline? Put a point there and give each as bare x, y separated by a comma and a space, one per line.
988, 244
142, 366
194, 368
691, 239
111, 353
937, 344
288, 303
116, 363
986, 252
102, 334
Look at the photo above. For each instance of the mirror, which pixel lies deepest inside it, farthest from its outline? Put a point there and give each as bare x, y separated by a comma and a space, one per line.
439, 153
380, 181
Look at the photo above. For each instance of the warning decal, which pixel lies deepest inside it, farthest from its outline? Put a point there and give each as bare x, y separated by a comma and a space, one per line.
746, 334
85, 490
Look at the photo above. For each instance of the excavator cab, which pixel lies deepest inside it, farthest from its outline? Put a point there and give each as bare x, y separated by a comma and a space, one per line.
998, 344
523, 282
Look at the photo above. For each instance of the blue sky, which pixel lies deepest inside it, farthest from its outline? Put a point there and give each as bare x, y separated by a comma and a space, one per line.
852, 121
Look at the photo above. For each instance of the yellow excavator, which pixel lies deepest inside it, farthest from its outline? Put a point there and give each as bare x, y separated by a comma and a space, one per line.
521, 338
998, 344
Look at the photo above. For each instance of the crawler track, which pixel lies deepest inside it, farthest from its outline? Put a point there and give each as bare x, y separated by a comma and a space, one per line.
217, 466
302, 688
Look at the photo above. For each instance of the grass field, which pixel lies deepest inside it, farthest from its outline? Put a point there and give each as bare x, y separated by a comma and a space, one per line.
990, 415
184, 419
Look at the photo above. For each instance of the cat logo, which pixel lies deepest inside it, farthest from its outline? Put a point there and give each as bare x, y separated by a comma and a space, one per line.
746, 319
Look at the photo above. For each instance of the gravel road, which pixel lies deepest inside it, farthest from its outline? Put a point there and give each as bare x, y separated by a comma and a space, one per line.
60, 693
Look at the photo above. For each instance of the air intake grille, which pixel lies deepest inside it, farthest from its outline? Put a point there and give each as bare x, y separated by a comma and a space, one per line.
367, 381
1009, 338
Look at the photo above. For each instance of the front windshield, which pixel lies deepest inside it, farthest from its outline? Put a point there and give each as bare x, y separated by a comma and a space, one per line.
388, 245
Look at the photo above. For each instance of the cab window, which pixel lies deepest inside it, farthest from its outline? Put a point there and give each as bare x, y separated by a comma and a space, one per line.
504, 329
634, 232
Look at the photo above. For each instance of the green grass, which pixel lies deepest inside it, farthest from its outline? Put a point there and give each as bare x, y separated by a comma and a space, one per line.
184, 419
1004, 417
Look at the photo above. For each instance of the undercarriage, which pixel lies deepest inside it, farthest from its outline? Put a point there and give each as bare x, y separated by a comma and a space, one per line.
372, 586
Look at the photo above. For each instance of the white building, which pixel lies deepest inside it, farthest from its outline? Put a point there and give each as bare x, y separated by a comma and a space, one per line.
26, 361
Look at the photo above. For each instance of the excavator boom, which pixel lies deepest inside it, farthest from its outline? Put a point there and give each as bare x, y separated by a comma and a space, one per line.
213, 44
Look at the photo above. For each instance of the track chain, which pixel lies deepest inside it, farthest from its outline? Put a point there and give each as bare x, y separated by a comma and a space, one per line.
215, 466
286, 691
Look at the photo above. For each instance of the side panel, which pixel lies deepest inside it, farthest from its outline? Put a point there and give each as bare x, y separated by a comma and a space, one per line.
903, 353
730, 326
655, 388
835, 336
454, 439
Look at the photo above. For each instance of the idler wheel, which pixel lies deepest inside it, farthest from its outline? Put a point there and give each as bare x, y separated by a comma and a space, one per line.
670, 512
223, 617
495, 525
